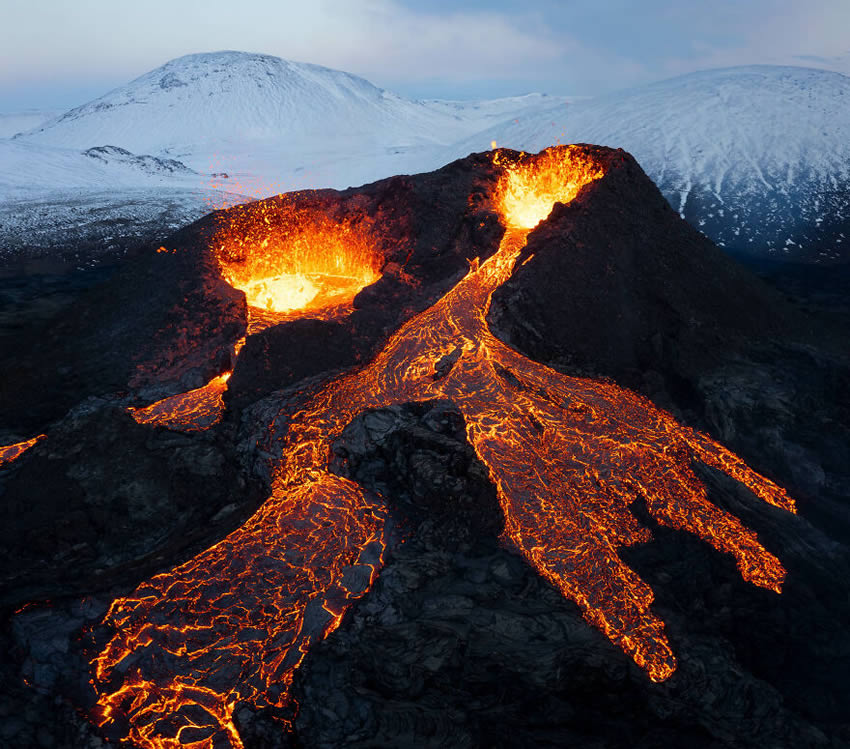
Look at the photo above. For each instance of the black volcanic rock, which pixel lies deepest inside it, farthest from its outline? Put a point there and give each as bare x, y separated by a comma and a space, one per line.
616, 283
786, 409
286, 354
105, 500
165, 323
417, 456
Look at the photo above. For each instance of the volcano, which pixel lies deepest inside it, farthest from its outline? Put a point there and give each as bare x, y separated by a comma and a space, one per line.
755, 157
517, 368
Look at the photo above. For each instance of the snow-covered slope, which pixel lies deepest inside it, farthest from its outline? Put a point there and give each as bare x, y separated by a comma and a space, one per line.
757, 157
476, 115
29, 169
12, 123
83, 207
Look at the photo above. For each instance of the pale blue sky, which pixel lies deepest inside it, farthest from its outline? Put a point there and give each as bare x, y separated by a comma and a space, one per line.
60, 53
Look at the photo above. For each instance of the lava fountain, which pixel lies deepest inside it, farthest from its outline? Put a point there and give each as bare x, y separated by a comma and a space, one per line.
291, 261
567, 456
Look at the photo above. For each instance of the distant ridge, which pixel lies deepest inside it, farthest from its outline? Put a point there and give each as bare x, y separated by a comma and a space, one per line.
757, 157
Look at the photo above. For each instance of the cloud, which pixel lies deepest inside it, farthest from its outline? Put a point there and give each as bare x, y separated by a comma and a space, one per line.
384, 37
773, 32
364, 36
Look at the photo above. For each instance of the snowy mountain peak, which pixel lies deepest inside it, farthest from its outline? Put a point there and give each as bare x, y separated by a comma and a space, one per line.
243, 67
221, 95
242, 97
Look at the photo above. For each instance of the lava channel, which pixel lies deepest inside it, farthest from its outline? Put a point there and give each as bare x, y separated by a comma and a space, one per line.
567, 456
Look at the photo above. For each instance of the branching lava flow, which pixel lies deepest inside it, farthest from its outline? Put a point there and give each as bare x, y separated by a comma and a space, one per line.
567, 456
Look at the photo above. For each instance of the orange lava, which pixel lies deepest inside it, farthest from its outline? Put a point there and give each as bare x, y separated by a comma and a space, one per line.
567, 456
287, 259
193, 411
9, 453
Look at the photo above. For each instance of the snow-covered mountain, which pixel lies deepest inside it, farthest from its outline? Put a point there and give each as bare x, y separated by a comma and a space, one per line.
213, 129
269, 125
220, 97
756, 157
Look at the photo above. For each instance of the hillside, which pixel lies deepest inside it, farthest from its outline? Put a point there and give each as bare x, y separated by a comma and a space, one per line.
12, 123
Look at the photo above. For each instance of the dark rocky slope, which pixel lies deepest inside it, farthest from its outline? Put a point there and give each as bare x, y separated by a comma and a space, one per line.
616, 285
162, 324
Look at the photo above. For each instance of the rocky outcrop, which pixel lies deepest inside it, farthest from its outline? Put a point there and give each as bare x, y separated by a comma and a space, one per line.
107, 501
417, 457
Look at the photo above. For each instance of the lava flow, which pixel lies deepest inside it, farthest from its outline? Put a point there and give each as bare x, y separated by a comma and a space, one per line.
10, 453
193, 411
567, 456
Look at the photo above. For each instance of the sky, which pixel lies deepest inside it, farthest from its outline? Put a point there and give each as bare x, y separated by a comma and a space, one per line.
56, 54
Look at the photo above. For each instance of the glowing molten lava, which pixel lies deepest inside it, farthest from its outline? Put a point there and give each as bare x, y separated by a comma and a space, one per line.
194, 411
288, 259
567, 456
10, 453
281, 293
526, 195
